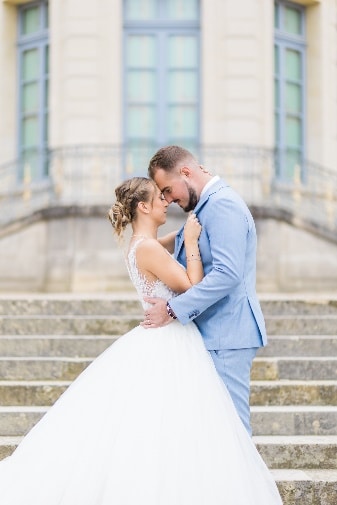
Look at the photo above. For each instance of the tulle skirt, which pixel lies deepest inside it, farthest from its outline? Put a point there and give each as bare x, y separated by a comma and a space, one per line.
149, 422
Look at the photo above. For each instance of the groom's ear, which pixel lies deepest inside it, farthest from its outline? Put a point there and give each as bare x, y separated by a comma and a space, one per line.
185, 171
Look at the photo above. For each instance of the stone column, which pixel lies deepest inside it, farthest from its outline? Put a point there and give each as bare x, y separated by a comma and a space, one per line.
85, 72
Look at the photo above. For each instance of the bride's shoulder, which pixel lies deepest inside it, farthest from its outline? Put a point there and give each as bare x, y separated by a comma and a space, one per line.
149, 246
150, 251
151, 258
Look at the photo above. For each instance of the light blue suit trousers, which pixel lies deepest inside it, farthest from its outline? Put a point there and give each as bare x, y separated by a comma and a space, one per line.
233, 366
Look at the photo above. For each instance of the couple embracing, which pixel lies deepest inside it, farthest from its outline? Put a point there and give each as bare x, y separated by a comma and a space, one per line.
224, 304
162, 416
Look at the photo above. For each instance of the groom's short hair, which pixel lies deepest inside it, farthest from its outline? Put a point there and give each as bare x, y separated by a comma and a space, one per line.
167, 159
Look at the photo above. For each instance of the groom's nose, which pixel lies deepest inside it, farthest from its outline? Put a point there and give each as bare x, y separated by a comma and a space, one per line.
168, 198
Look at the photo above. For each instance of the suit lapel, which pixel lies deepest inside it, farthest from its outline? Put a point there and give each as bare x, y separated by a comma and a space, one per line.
180, 235
179, 242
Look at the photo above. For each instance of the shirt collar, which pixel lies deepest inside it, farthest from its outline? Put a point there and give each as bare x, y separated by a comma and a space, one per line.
210, 183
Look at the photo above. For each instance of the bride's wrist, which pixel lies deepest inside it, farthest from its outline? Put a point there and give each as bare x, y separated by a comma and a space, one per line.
193, 257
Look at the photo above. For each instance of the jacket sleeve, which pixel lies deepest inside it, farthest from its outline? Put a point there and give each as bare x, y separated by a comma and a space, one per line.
226, 226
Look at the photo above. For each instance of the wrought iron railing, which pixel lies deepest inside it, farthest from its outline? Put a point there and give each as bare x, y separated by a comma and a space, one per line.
87, 175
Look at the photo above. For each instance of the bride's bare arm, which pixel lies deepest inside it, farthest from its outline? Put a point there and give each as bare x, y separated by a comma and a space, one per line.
154, 262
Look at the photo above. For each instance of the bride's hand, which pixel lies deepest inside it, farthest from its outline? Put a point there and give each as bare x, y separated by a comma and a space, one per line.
192, 228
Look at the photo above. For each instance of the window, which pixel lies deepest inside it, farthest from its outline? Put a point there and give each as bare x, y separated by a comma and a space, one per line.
289, 94
161, 77
33, 64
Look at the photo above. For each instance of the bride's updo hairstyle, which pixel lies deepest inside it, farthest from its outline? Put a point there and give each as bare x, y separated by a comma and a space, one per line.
128, 195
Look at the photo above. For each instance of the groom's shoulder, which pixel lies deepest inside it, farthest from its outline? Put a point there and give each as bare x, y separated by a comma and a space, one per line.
223, 191
217, 188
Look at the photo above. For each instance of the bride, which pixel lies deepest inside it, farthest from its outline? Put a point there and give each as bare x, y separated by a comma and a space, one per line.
149, 422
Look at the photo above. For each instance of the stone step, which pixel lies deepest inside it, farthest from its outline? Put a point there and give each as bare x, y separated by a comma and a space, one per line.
300, 345
119, 324
277, 452
92, 345
301, 324
67, 325
294, 420
31, 393
288, 420
294, 417
294, 305
8, 445
68, 368
17, 421
306, 487
281, 392
298, 451
303, 368
62, 305
285, 392
128, 303
53, 368
55, 345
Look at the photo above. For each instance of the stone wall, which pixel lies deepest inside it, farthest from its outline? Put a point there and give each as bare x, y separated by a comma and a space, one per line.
79, 253
291, 259
237, 67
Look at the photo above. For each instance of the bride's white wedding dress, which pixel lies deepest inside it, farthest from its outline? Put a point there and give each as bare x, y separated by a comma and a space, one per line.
149, 422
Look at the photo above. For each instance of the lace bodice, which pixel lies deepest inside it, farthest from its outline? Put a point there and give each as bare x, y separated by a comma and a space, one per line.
143, 286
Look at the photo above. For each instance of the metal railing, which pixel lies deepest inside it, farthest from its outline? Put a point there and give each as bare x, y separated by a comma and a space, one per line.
87, 175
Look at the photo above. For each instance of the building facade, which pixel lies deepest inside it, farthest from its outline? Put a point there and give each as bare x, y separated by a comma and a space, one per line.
89, 90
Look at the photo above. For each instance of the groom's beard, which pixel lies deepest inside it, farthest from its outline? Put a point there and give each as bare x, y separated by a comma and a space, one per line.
193, 199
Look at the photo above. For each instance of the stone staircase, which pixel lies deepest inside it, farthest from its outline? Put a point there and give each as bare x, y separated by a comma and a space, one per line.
47, 340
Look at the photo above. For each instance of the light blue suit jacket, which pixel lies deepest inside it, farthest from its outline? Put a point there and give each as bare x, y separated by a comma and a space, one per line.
224, 305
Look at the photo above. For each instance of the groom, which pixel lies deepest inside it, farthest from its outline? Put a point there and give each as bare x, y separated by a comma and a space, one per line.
224, 304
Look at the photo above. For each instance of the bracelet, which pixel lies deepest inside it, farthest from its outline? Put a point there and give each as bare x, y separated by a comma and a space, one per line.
194, 257
170, 311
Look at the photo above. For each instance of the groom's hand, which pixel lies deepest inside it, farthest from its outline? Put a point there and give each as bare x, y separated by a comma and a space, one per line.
156, 315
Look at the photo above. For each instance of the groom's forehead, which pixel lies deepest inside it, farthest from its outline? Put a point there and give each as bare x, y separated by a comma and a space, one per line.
165, 179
